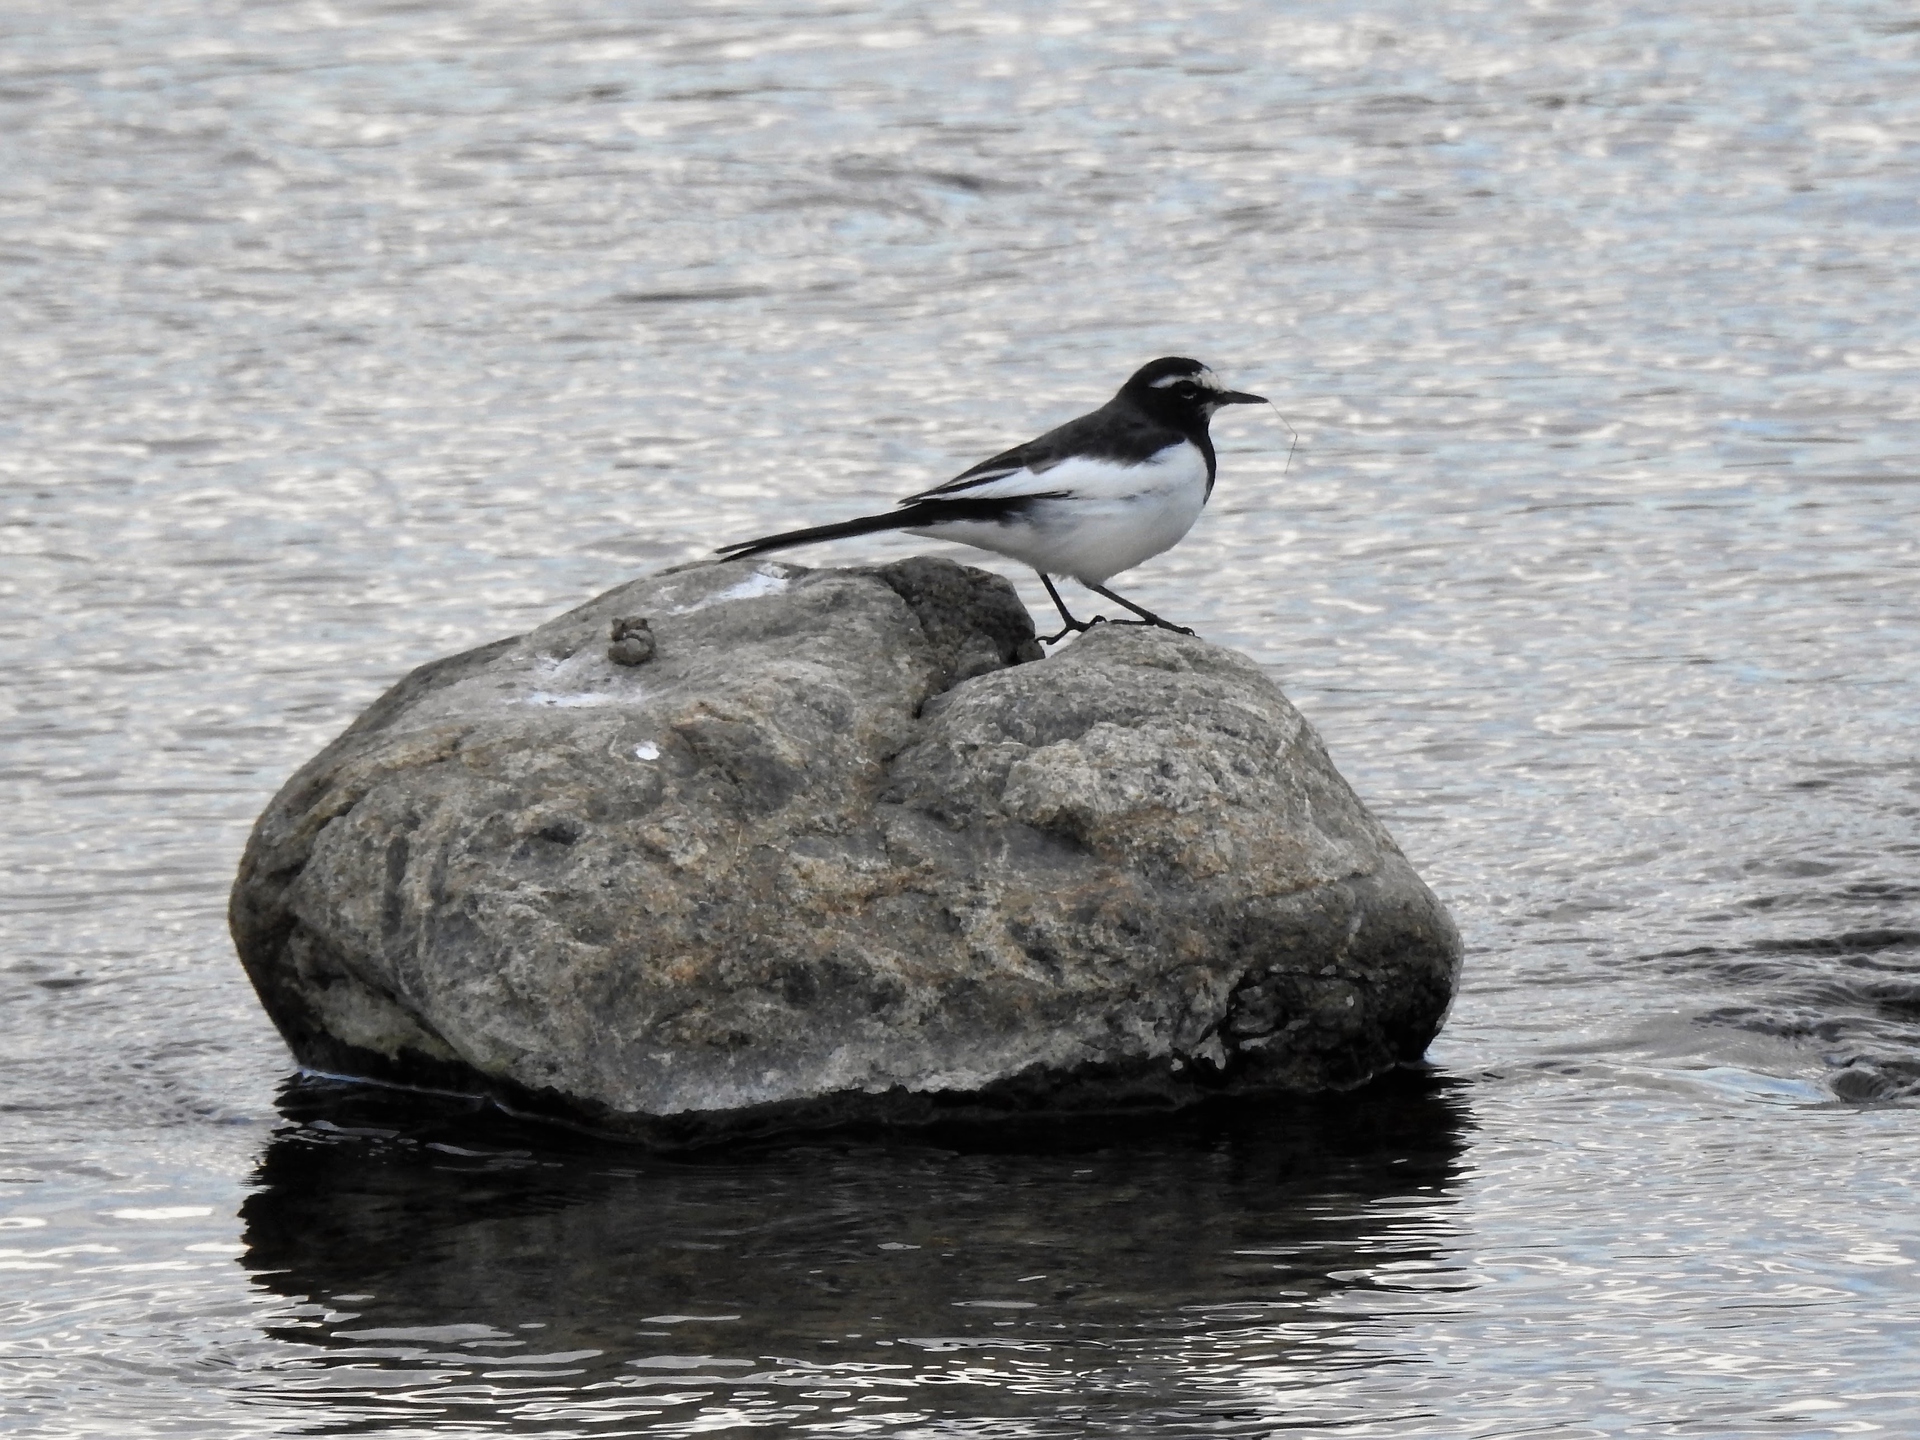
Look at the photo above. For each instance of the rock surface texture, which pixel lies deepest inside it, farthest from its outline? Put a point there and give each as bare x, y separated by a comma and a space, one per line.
844, 848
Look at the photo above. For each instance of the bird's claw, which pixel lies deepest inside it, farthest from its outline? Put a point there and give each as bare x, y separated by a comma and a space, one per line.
1076, 627
1080, 627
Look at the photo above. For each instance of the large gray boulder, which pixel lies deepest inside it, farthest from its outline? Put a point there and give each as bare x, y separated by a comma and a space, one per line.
845, 847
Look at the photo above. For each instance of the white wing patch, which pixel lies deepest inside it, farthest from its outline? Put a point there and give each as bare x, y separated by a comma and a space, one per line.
1083, 478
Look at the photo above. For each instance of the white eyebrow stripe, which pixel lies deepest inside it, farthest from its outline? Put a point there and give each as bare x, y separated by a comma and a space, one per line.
1204, 378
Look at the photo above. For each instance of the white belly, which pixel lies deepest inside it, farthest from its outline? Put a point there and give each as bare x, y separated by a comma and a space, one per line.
1108, 520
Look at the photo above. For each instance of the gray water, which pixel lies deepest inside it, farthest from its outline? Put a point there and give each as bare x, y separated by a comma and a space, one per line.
340, 336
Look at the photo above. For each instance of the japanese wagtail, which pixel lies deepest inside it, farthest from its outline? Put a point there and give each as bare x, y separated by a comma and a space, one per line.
1092, 498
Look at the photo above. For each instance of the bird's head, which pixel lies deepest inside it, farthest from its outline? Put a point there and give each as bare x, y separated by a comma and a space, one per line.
1181, 392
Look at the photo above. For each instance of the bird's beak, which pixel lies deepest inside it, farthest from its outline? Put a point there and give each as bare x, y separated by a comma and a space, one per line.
1240, 397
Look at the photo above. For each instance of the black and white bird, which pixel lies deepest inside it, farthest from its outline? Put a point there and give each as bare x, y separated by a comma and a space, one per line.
1089, 499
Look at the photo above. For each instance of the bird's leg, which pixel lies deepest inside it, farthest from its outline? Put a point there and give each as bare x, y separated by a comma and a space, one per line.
1072, 626
1146, 616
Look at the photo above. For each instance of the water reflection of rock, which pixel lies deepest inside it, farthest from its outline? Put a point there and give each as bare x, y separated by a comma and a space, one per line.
1095, 1271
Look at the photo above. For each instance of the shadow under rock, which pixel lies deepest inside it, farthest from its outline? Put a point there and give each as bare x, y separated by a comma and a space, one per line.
458, 1260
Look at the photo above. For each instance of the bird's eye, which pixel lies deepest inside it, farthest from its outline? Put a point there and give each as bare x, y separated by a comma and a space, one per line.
1186, 389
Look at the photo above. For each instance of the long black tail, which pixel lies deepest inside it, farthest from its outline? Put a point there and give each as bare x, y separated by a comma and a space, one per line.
919, 514
865, 525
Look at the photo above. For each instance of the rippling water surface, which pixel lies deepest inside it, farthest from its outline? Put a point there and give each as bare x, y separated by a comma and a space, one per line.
343, 335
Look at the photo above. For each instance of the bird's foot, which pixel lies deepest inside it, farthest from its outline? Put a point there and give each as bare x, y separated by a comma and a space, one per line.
1158, 625
1077, 627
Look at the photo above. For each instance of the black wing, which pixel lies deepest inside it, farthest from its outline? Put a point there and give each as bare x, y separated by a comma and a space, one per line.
1109, 433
